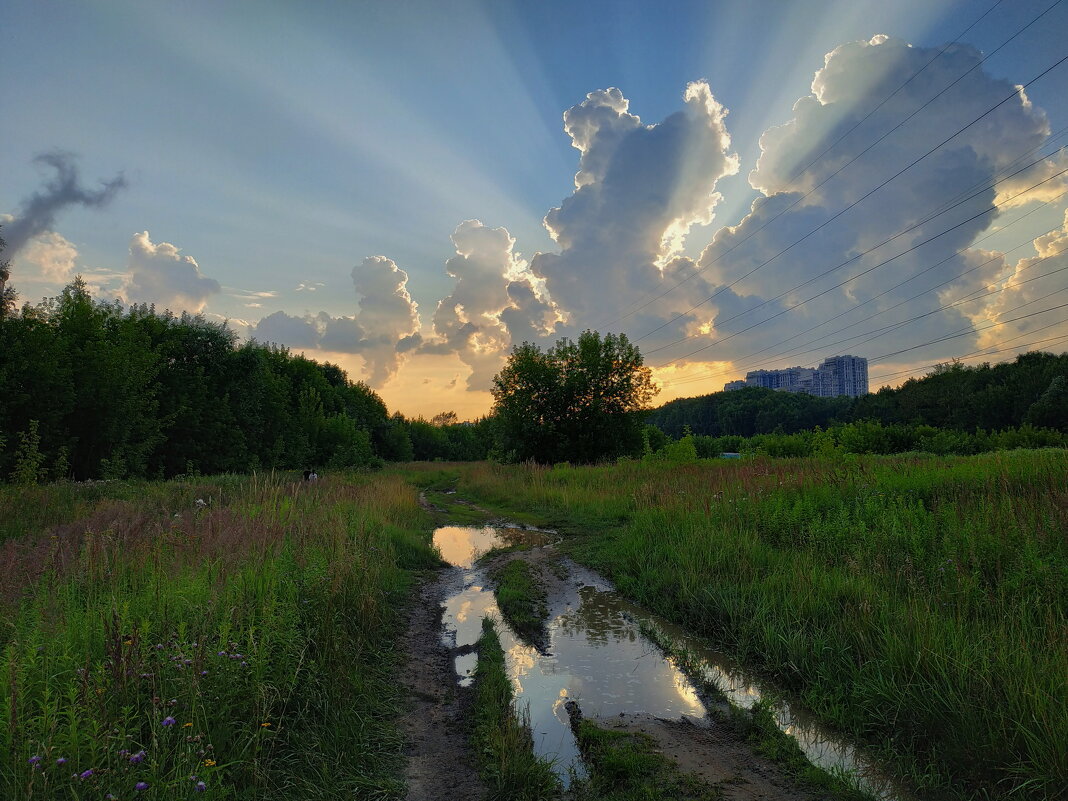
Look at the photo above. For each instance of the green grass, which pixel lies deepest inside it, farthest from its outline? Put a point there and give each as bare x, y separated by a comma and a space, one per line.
915, 602
521, 599
245, 641
625, 766
502, 738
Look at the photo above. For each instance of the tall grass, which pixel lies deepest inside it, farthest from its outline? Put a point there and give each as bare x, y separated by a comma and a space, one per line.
920, 603
225, 635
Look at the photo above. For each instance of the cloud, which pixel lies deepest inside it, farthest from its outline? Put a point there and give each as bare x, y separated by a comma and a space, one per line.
786, 236
51, 256
385, 327
37, 213
494, 299
160, 274
283, 329
639, 190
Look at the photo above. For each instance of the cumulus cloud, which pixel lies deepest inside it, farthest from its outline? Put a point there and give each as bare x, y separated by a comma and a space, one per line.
385, 327
495, 301
50, 256
37, 213
1024, 290
159, 274
786, 239
638, 191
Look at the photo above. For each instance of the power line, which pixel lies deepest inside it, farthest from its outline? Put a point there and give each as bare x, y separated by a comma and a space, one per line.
832, 175
879, 332
838, 214
795, 351
861, 255
981, 353
830, 289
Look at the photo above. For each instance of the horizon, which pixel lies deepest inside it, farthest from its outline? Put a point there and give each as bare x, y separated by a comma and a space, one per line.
753, 182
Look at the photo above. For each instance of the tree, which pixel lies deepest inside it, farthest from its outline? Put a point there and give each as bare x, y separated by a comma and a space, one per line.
581, 401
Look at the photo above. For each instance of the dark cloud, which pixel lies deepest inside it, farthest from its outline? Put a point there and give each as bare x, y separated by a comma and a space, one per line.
37, 213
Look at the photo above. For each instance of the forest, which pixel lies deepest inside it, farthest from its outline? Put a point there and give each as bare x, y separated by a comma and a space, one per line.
94, 390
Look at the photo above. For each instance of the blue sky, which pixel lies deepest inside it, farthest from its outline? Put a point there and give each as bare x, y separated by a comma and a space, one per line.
279, 145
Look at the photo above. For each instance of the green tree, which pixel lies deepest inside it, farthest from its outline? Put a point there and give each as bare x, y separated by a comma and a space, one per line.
581, 401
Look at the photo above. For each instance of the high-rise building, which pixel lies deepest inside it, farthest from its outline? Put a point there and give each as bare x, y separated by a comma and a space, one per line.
837, 375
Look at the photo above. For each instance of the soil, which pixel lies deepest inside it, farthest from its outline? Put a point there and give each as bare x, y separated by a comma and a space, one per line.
711, 750
441, 763
715, 754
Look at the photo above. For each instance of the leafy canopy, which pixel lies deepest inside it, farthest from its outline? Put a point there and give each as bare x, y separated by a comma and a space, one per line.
578, 401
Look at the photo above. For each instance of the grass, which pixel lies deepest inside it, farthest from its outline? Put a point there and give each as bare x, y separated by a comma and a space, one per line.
916, 602
232, 629
625, 766
521, 599
508, 764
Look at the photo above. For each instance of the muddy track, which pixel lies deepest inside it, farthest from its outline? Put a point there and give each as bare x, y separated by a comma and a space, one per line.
440, 760
710, 749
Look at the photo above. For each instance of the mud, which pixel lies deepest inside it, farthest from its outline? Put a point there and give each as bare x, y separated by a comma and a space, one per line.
435, 726
714, 753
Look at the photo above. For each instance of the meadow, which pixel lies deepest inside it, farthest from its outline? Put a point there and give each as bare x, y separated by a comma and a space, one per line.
916, 602
230, 636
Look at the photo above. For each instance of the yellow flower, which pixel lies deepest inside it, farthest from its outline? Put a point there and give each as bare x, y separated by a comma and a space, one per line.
265, 725
186, 725
209, 763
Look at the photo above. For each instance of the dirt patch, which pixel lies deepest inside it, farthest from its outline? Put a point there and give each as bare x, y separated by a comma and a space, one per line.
716, 754
436, 729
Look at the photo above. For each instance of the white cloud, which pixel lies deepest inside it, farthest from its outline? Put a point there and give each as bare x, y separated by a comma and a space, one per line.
159, 274
639, 189
50, 256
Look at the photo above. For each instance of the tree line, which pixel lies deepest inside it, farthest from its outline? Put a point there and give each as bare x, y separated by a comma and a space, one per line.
1030, 391
93, 390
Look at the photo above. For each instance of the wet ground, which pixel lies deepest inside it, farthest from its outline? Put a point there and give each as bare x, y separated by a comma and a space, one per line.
597, 656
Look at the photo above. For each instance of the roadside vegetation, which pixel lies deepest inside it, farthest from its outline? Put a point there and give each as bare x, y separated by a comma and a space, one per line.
230, 635
508, 764
915, 602
626, 766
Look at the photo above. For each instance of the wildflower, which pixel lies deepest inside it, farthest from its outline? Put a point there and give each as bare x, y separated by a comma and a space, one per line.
200, 787
127, 642
168, 721
141, 786
111, 797
61, 761
124, 752
34, 759
186, 725
138, 757
86, 774
203, 673
209, 763
244, 664
265, 725
222, 653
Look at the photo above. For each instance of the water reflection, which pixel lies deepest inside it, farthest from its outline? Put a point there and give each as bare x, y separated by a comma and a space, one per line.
598, 657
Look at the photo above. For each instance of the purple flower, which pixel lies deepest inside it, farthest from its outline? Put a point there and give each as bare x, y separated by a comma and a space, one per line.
138, 757
141, 786
34, 760
203, 673
222, 653
61, 761
86, 774
111, 797
200, 787
168, 721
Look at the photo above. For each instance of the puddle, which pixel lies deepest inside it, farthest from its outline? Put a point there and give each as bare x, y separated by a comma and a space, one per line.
598, 657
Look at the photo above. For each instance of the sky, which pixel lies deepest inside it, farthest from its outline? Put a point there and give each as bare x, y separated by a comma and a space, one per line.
408, 189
